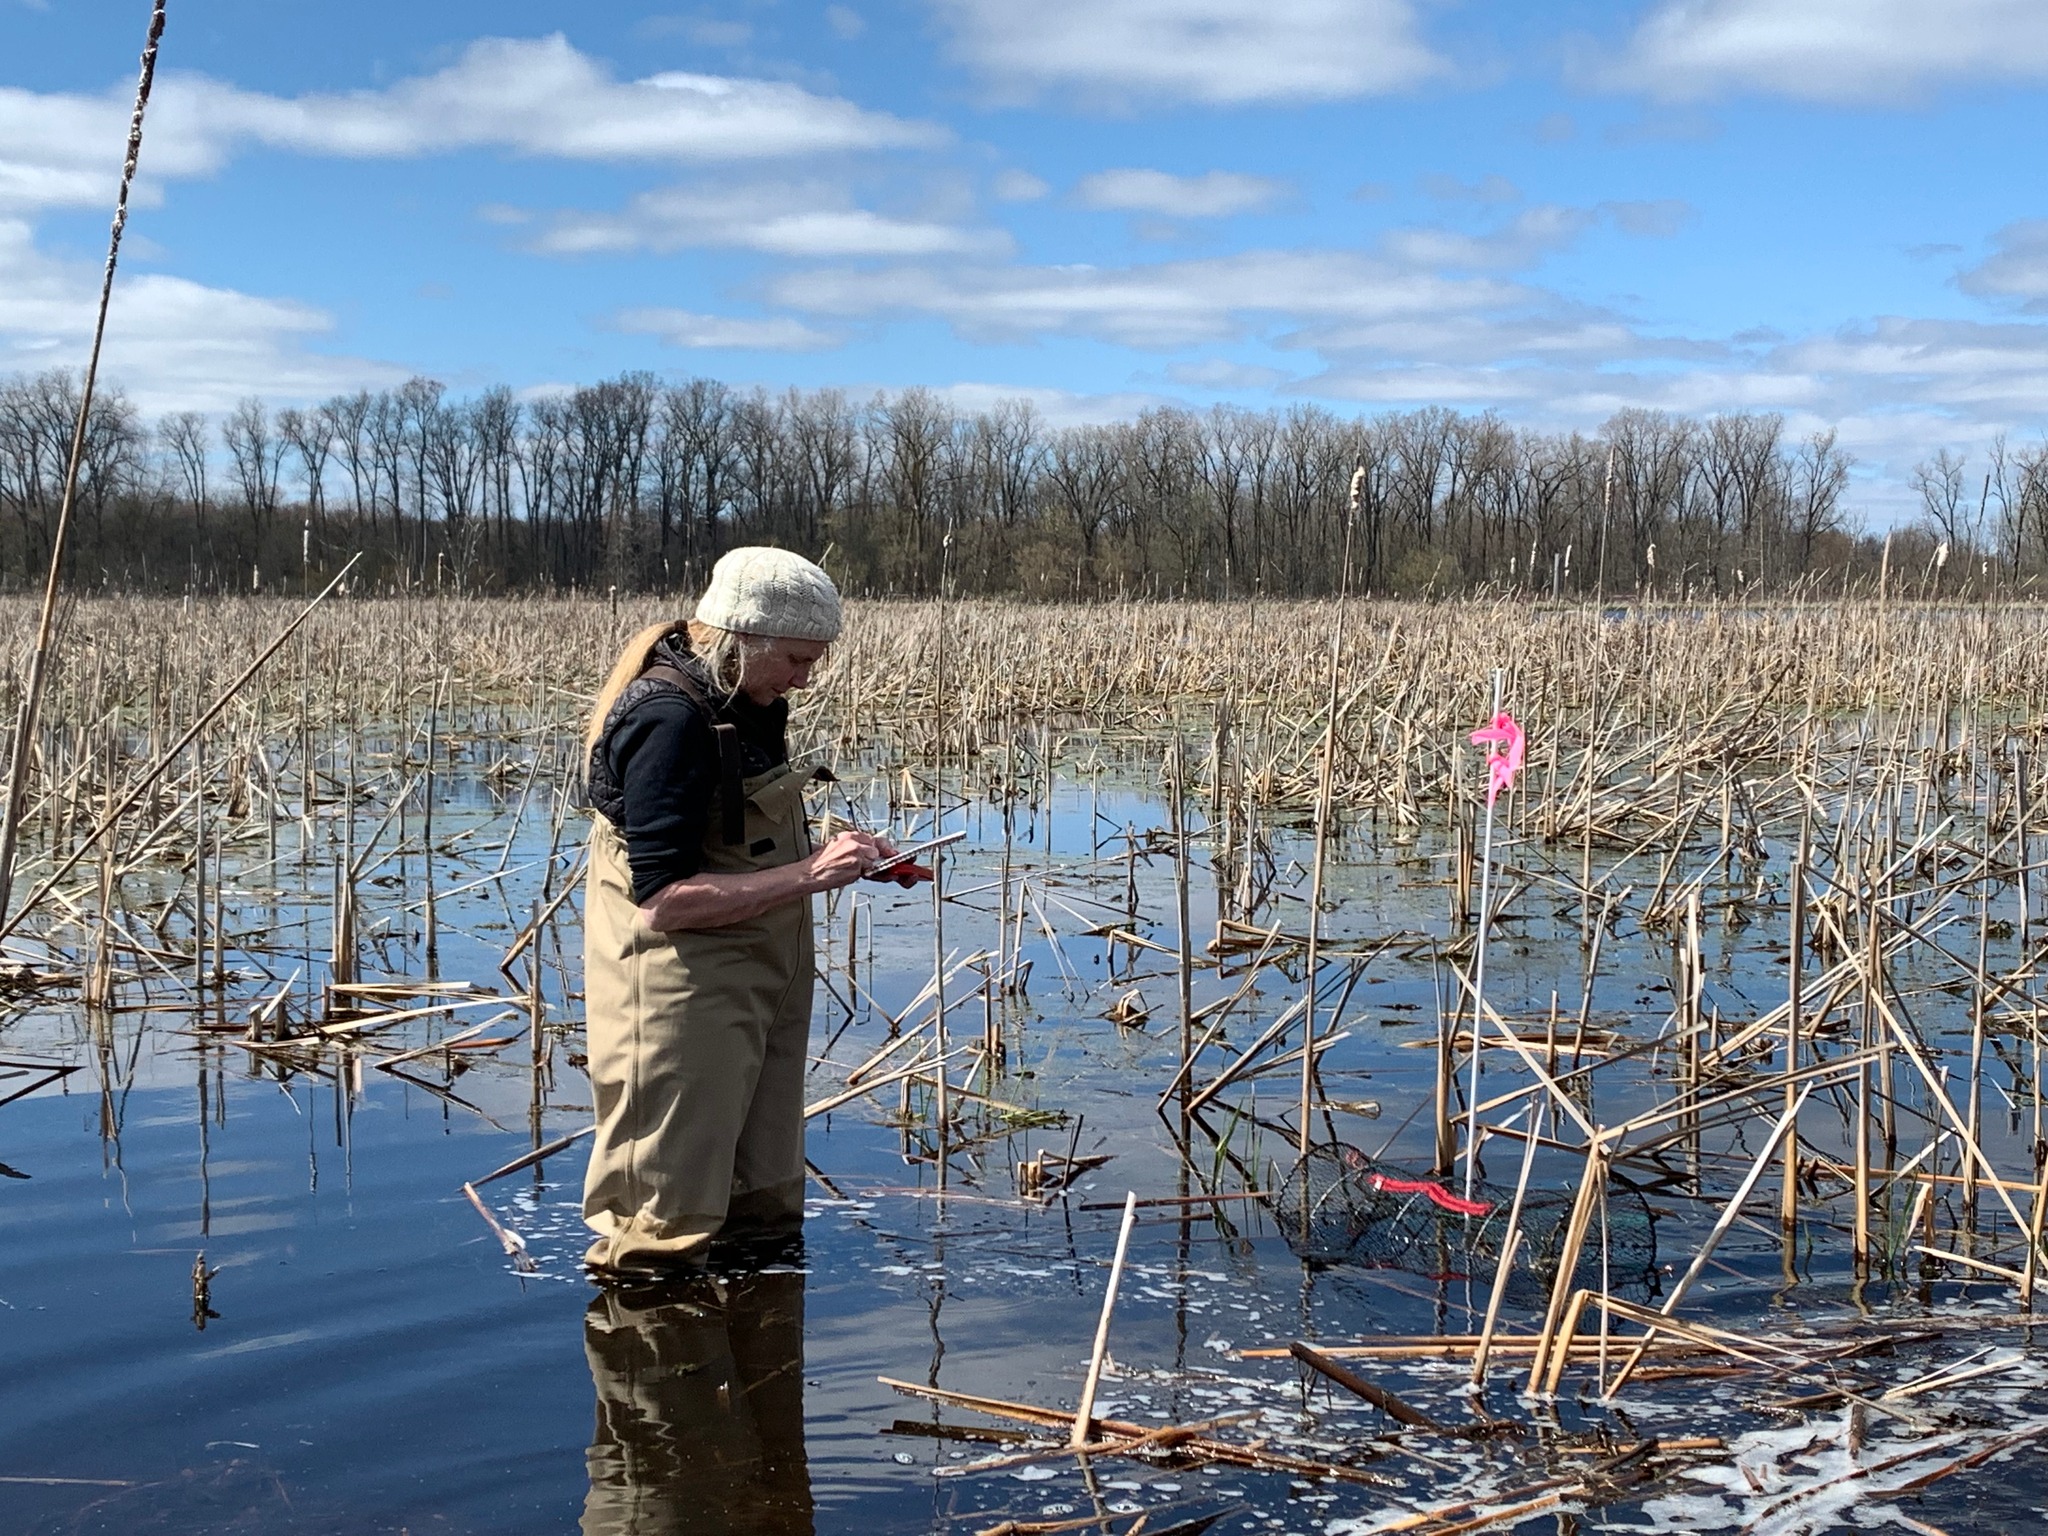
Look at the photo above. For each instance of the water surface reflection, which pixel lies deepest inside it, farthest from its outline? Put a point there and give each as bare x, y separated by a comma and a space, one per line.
700, 1408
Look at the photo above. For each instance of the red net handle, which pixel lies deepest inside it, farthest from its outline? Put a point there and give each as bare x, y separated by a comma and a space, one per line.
1430, 1190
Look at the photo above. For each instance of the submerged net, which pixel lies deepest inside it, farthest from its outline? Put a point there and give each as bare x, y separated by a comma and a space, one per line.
1339, 1206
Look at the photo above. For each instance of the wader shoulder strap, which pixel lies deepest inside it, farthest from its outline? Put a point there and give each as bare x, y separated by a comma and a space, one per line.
731, 795
731, 798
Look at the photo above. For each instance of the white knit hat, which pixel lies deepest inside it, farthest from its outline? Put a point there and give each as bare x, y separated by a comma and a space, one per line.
761, 590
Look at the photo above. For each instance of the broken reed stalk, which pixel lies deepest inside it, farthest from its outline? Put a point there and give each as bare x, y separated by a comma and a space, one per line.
1561, 1318
513, 1244
1978, 1002
536, 998
1396, 1408
538, 1155
433, 944
1508, 1245
199, 867
1253, 1455
27, 720
1729, 1212
1218, 1014
1860, 1238
1084, 1415
2038, 1214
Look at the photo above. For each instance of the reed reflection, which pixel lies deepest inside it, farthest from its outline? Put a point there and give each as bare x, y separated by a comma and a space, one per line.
700, 1408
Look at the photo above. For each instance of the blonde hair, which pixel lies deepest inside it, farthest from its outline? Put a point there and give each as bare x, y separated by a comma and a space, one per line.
723, 653
631, 663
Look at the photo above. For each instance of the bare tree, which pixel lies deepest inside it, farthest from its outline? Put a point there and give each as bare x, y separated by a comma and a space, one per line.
184, 434
1944, 500
1082, 466
257, 454
1820, 474
916, 428
310, 435
346, 421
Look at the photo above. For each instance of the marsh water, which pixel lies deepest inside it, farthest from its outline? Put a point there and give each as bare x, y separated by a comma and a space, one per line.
364, 1357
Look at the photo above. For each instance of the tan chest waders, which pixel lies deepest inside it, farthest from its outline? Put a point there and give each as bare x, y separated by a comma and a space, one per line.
697, 1046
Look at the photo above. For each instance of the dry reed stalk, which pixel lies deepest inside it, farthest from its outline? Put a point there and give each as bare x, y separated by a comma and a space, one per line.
28, 716
513, 1244
1387, 1402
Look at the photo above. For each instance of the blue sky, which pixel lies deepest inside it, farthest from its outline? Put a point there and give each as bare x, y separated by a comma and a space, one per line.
1827, 208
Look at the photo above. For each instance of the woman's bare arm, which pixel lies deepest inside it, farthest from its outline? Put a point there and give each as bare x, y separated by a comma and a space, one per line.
709, 900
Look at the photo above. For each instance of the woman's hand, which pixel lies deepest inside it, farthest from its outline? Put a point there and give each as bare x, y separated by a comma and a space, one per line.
846, 858
706, 900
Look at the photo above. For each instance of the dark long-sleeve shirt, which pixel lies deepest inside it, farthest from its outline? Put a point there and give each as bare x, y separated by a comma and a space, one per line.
664, 758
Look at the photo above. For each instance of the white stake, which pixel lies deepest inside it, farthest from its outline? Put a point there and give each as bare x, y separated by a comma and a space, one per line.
1479, 975
1084, 1417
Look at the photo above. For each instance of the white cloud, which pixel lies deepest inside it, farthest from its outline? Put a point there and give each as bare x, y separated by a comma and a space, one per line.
845, 22
542, 97
1531, 235
171, 343
1231, 52
1055, 407
809, 219
1425, 291
1218, 194
1895, 388
682, 328
1019, 187
2017, 268
1994, 370
1831, 50
1523, 240
1163, 305
526, 96
1434, 316
64, 151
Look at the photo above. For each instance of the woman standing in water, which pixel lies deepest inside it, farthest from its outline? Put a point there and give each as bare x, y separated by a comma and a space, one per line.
697, 920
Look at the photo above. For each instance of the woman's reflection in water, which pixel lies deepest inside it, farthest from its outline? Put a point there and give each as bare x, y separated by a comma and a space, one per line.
700, 1408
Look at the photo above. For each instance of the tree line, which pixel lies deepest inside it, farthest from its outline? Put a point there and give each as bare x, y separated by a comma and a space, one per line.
640, 484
